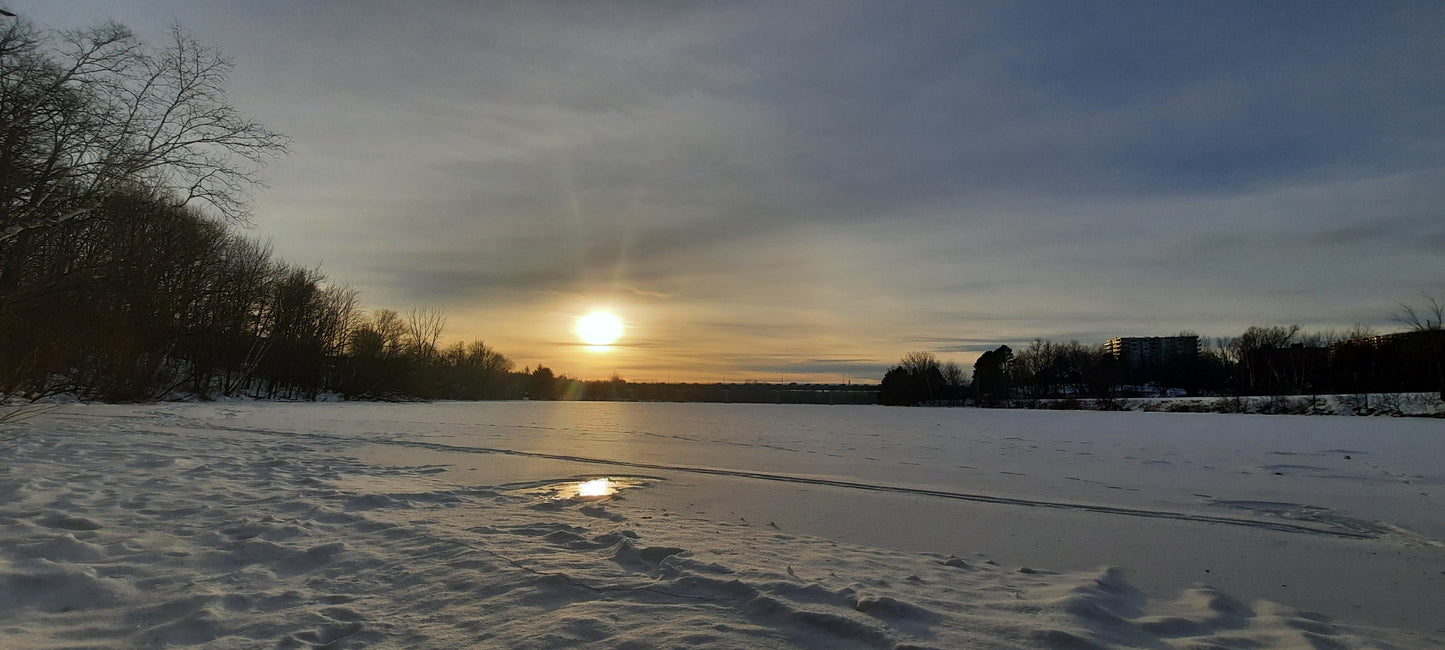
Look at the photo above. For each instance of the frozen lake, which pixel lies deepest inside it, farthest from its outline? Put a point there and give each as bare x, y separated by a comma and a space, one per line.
1336, 515
1304, 510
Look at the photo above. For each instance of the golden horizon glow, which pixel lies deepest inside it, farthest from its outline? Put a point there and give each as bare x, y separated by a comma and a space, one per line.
599, 328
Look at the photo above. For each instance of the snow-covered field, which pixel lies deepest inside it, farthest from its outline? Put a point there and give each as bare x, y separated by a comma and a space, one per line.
460, 525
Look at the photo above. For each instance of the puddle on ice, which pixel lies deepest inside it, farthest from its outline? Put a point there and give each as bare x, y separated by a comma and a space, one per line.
583, 488
597, 487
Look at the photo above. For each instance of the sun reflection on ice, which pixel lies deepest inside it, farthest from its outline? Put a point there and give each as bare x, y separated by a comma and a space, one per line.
597, 487
583, 488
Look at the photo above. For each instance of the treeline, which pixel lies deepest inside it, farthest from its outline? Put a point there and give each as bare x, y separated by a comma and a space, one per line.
145, 299
1271, 361
115, 285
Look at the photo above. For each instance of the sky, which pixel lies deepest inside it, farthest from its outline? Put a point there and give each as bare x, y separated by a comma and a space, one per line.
805, 191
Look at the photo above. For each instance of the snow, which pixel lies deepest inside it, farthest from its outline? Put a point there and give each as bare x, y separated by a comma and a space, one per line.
461, 524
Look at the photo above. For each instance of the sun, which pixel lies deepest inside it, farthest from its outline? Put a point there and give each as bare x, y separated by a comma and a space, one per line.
599, 328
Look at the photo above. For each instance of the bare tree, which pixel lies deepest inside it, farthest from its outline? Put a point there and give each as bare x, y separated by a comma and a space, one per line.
952, 373
1428, 323
85, 114
423, 329
1276, 336
1426, 318
1254, 350
487, 359
919, 362
390, 332
918, 378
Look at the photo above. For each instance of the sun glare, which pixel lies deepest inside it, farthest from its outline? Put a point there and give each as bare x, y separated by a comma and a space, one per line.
599, 328
598, 487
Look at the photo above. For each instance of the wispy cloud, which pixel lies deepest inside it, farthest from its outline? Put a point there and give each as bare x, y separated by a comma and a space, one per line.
765, 186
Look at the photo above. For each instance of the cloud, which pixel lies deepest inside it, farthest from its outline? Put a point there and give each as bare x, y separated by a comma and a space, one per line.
843, 180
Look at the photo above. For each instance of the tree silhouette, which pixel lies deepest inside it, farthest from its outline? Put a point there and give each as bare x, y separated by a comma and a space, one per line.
542, 384
91, 113
920, 378
1427, 322
991, 374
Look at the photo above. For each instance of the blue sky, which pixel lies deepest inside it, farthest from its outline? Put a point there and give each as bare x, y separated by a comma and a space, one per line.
815, 188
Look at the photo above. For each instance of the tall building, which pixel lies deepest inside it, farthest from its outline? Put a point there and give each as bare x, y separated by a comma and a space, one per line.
1137, 352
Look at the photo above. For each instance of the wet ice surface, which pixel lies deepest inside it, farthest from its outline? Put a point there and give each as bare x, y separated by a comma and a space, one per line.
1370, 469
307, 524
588, 489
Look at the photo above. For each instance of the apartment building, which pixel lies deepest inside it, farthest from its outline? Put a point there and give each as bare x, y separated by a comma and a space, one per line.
1148, 351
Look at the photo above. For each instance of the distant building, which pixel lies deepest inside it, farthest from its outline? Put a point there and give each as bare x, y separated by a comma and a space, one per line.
1139, 352
1401, 362
1411, 338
